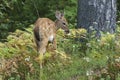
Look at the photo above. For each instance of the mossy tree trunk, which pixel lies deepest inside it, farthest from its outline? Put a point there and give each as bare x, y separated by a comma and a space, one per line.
99, 14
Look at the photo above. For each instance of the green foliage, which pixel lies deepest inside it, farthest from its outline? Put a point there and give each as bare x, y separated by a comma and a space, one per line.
17, 14
94, 58
77, 57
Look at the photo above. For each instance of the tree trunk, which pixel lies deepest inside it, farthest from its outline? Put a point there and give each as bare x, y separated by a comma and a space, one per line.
99, 14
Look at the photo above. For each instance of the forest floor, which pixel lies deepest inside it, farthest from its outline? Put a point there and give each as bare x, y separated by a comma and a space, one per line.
77, 57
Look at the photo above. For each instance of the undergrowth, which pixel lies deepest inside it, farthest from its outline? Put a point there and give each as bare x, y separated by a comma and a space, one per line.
76, 58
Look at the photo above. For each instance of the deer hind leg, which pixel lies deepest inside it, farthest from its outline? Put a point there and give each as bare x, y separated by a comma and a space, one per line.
41, 49
42, 46
37, 45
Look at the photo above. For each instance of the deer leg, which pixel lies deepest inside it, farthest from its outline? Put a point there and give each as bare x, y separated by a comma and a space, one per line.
37, 45
42, 46
54, 44
41, 50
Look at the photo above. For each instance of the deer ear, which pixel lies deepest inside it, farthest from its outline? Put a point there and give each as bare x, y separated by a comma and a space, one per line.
62, 14
58, 14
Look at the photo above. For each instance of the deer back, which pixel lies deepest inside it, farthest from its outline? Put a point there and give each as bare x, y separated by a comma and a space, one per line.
46, 28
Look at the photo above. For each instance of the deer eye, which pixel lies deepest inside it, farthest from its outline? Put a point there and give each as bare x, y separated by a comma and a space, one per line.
64, 23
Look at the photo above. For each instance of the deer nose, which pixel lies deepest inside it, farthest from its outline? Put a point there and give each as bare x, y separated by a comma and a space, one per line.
67, 31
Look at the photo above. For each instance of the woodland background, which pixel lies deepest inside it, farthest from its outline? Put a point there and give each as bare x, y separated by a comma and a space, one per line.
18, 14
79, 56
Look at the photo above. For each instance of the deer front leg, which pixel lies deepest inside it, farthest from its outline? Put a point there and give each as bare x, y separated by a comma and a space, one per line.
54, 44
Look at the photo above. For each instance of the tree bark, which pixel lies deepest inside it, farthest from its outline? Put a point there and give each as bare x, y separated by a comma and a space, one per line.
99, 14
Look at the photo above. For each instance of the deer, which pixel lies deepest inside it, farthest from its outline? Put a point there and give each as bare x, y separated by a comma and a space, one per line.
45, 31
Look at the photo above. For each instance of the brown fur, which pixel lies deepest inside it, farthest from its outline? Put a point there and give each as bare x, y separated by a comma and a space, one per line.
45, 31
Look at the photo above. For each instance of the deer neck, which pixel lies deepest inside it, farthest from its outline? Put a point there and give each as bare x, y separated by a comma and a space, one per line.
57, 24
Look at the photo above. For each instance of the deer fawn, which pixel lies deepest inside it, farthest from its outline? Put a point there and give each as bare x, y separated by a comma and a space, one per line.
45, 31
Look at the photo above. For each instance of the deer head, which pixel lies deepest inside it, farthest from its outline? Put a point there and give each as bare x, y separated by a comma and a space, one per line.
61, 21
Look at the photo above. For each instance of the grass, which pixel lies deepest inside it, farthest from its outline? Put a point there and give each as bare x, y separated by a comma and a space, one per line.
76, 58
